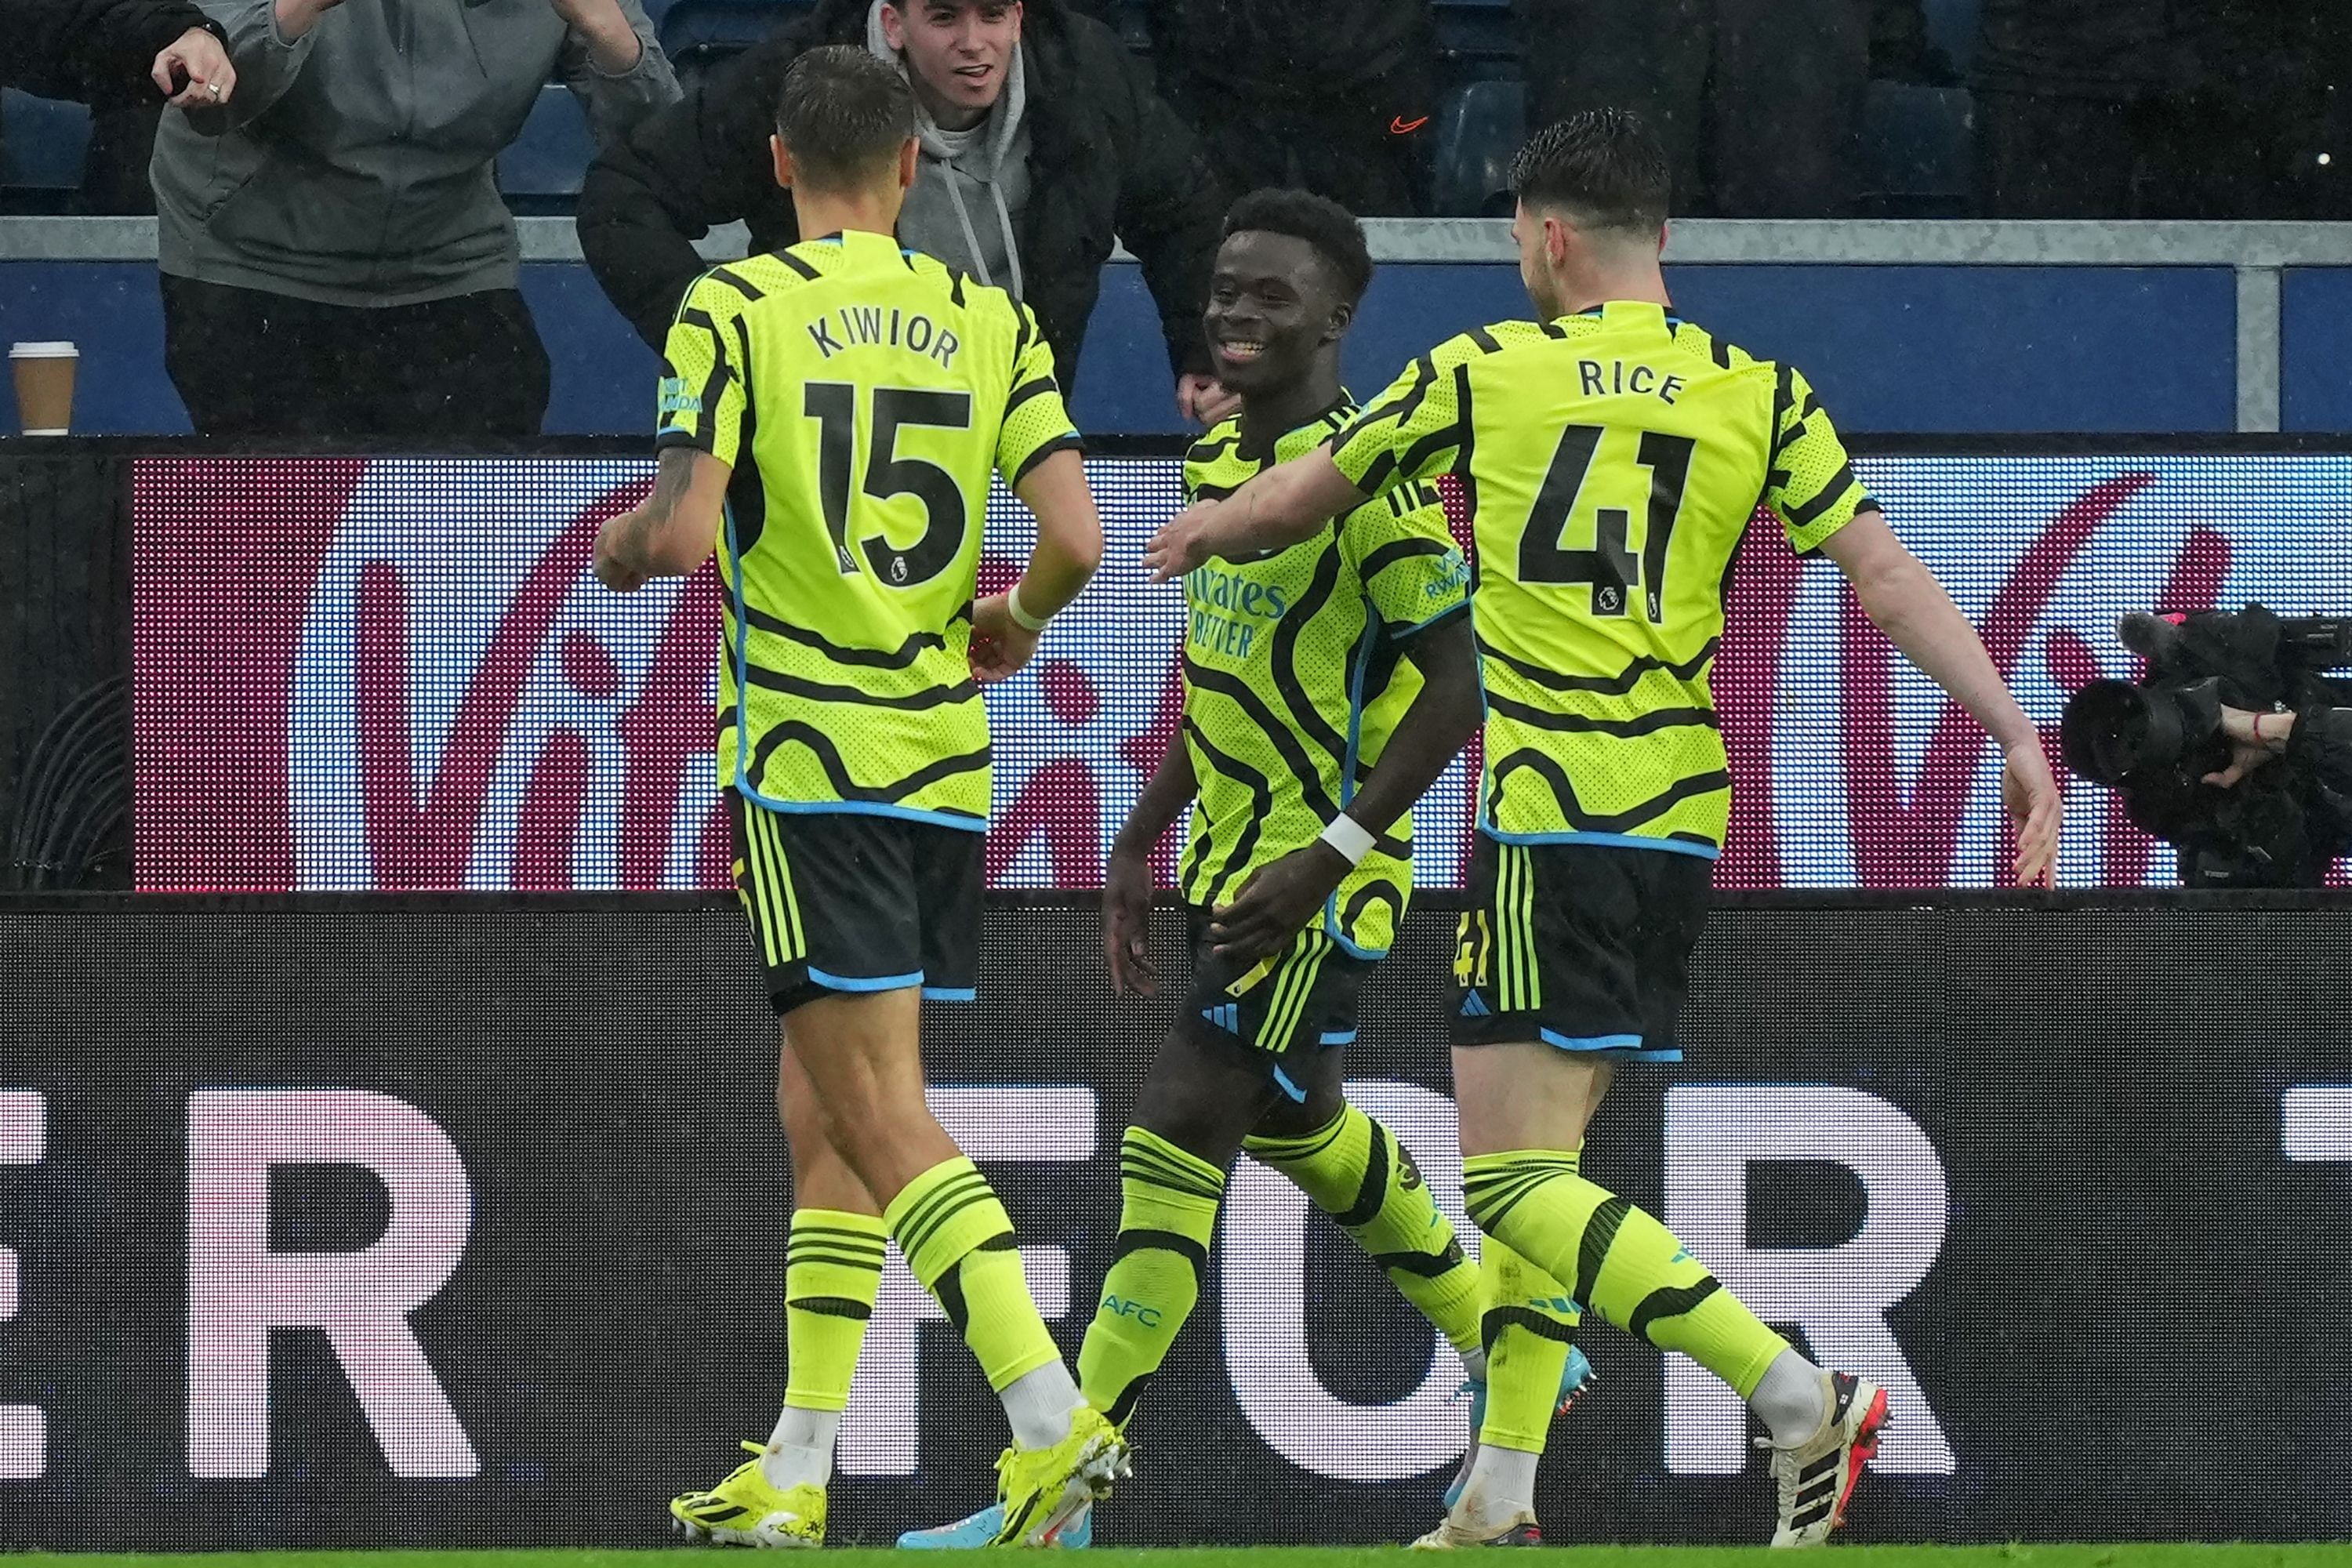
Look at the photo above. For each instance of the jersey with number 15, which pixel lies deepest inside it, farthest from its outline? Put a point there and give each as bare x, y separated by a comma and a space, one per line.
1611, 460
862, 395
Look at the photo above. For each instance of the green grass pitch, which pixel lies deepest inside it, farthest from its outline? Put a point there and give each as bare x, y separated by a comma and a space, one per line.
2172, 1554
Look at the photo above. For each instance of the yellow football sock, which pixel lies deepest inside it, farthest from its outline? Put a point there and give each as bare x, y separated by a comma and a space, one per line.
1619, 1261
1167, 1212
833, 1266
1354, 1170
959, 1243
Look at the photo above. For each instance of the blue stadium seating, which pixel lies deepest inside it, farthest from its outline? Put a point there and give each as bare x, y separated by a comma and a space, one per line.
1918, 146
698, 34
545, 164
1479, 125
1952, 27
42, 143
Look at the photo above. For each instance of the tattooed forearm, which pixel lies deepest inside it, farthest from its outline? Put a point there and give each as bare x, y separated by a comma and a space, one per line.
631, 537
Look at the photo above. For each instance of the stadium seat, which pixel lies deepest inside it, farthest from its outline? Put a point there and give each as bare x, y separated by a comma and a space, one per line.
1952, 27
698, 34
1474, 38
1479, 125
43, 142
545, 164
1919, 145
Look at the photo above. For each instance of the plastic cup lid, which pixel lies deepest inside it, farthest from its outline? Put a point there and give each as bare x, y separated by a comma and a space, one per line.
43, 351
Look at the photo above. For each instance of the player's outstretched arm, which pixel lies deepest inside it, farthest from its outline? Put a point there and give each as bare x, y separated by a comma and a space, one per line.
676, 528
1127, 879
1281, 897
1278, 508
1005, 626
1903, 598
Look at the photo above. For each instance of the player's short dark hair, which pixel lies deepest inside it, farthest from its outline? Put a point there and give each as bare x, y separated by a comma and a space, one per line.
844, 114
1603, 165
1332, 230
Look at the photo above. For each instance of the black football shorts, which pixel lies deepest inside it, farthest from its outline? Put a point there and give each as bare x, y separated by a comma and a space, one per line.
1582, 946
851, 901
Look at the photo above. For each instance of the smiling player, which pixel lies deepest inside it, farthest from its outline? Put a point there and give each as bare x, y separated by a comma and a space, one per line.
1325, 686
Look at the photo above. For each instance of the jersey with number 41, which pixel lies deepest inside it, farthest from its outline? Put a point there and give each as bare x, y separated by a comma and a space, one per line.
1611, 461
862, 395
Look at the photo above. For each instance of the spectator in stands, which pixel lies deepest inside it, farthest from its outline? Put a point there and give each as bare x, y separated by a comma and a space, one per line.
108, 52
1758, 101
1041, 139
336, 259
2158, 108
1338, 97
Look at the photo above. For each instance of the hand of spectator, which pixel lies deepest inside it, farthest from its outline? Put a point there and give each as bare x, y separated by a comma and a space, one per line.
613, 44
296, 17
194, 71
1204, 398
2255, 739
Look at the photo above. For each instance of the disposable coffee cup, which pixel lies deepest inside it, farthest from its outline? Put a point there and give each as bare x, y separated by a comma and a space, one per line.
45, 387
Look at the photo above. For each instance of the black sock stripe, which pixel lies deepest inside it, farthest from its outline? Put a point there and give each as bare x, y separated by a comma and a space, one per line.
1542, 1325
1592, 1251
1183, 1246
1421, 1265
830, 1307
919, 1237
837, 1232
804, 1259
1488, 1209
958, 1188
1202, 1192
1669, 1301
1813, 1515
1305, 1146
1374, 1190
1003, 1241
1825, 1487
1152, 1160
830, 1248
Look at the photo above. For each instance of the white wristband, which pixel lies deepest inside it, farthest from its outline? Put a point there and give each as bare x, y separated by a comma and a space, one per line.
1020, 617
1349, 837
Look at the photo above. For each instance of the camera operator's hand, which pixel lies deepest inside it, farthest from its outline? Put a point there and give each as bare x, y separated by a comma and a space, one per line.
2255, 739
2031, 797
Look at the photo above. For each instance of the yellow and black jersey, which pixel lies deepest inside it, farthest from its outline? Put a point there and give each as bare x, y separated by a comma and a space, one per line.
1295, 672
862, 395
1612, 460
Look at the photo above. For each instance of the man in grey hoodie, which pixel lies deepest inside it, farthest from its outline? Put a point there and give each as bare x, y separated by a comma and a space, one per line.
337, 260
1043, 142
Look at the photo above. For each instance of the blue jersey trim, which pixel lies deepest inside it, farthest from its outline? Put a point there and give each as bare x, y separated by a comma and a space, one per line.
742, 657
864, 983
954, 820
1368, 955
1289, 1088
1606, 840
950, 994
1337, 1037
1399, 634
1590, 1042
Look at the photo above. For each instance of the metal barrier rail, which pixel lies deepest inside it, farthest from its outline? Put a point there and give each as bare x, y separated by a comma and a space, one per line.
2256, 252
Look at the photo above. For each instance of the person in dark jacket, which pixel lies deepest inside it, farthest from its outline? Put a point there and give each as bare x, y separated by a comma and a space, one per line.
115, 52
2212, 110
1336, 97
1041, 143
1758, 101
